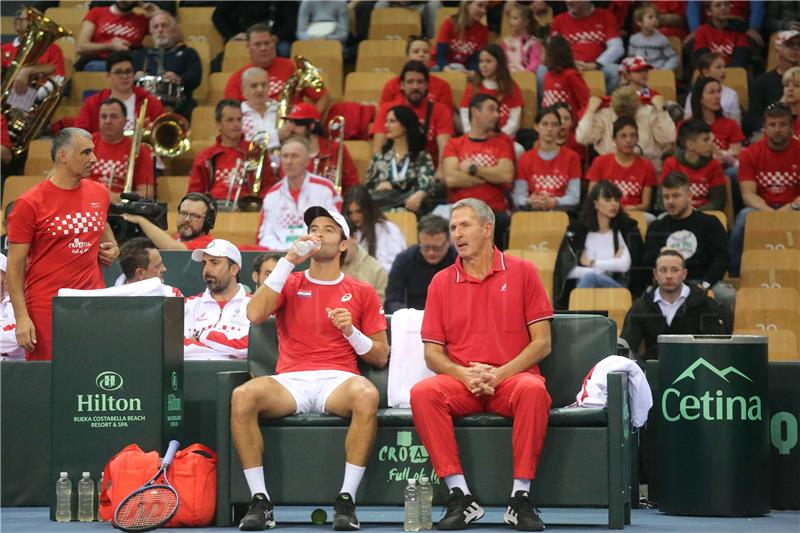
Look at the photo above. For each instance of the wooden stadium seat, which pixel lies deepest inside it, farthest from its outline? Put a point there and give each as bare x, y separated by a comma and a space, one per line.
394, 23
86, 82
182, 165
616, 301
457, 81
736, 79
67, 45
361, 152
760, 298
527, 84
596, 82
641, 221
722, 217
381, 55
7, 25
407, 222
677, 45
537, 230
216, 87
236, 56
365, 87
771, 268
201, 46
663, 80
204, 127
239, 228
38, 162
545, 262
772, 230
171, 189
772, 53
782, 343
443, 13
767, 319
65, 110
16, 185
70, 18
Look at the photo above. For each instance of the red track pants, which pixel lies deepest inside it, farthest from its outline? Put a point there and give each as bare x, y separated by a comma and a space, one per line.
436, 400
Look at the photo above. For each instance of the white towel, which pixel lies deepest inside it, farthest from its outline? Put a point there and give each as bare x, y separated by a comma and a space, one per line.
594, 392
148, 287
407, 361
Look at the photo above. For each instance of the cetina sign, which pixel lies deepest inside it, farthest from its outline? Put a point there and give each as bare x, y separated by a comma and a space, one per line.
713, 405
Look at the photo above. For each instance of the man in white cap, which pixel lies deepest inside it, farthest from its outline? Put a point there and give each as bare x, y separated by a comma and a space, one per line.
9, 347
326, 322
215, 324
767, 88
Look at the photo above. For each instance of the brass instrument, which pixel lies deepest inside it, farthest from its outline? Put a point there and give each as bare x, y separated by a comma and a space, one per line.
24, 126
336, 125
305, 75
167, 137
136, 142
248, 171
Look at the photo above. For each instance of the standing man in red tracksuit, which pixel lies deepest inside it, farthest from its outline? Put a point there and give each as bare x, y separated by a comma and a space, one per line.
486, 327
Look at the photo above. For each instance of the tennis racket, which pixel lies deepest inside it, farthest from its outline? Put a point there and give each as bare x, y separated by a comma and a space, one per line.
152, 505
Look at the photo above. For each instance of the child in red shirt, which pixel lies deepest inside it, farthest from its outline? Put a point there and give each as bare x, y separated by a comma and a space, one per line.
714, 36
461, 37
563, 82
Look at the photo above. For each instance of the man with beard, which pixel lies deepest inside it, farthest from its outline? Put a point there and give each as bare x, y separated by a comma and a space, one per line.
196, 216
171, 60
326, 321
140, 260
109, 29
215, 324
435, 117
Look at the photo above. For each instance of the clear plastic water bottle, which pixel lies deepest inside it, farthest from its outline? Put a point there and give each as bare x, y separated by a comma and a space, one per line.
425, 503
86, 498
97, 498
302, 248
63, 498
411, 521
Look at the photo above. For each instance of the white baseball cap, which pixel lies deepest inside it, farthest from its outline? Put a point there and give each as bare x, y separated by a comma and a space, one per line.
784, 36
219, 248
3, 262
317, 211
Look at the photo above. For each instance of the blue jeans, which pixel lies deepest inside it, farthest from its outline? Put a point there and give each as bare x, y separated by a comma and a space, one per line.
736, 244
593, 280
95, 65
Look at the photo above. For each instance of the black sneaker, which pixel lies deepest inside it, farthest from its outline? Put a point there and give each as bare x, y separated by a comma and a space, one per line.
259, 516
462, 510
522, 514
344, 513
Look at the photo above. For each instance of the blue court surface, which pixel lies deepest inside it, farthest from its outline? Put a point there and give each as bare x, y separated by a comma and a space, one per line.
298, 519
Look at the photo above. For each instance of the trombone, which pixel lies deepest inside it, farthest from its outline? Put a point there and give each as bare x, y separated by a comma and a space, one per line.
336, 126
253, 165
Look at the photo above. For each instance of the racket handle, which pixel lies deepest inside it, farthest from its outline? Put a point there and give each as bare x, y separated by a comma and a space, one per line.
173, 447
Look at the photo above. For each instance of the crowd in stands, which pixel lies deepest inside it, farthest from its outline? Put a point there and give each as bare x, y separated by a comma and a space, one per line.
599, 140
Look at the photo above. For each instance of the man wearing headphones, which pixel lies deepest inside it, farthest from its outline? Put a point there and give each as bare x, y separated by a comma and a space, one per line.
196, 216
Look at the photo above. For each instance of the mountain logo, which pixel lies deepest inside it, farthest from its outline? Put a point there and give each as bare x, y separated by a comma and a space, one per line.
723, 374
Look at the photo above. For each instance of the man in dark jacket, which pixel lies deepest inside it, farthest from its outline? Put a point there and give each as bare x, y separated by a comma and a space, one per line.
671, 308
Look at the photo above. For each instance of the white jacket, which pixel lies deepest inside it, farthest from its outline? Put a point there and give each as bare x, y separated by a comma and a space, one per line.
594, 392
9, 347
282, 218
389, 241
211, 332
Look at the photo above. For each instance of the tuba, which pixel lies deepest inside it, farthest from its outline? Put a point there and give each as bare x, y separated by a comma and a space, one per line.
305, 75
24, 126
168, 136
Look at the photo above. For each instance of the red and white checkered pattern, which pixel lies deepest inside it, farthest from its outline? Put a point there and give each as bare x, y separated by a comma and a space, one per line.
699, 193
634, 64
275, 88
629, 188
225, 175
105, 168
548, 183
777, 182
76, 223
483, 160
553, 97
462, 49
723, 49
123, 31
586, 37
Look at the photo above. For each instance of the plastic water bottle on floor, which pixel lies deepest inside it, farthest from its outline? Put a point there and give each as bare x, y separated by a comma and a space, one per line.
63, 498
411, 522
425, 503
86, 498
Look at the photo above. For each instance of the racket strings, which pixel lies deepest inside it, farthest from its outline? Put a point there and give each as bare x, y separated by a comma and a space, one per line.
147, 508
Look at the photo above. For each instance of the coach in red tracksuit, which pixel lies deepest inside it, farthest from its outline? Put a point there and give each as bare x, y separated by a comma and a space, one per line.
486, 327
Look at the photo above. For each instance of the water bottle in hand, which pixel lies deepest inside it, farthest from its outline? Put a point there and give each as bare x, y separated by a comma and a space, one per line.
303, 248
411, 522
63, 498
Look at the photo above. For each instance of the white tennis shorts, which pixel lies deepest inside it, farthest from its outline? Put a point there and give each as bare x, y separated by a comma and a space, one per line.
311, 388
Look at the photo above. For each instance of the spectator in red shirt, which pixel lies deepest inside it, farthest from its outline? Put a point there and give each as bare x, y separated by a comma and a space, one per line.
49, 68
113, 149
633, 174
119, 67
695, 160
769, 175
566, 133
715, 36
481, 165
5, 142
562, 81
671, 17
548, 176
218, 165
462, 36
439, 90
494, 78
593, 35
196, 216
262, 51
435, 117
58, 238
109, 29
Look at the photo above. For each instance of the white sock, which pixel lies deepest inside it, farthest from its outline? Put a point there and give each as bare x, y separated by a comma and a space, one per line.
352, 479
457, 480
255, 480
521, 484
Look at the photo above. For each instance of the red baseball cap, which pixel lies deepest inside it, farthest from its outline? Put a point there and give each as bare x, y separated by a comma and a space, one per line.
303, 111
635, 64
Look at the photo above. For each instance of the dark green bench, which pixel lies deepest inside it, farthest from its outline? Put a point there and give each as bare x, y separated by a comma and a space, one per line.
585, 462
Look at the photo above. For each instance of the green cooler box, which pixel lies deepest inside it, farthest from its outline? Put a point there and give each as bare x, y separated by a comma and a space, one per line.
714, 433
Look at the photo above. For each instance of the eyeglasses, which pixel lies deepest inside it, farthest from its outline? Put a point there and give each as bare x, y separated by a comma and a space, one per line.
191, 216
126, 72
433, 247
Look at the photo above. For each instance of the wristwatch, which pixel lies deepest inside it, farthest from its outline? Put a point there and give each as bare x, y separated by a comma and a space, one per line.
796, 206
473, 170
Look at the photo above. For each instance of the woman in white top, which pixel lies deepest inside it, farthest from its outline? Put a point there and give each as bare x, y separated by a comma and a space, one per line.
712, 65
601, 249
381, 237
